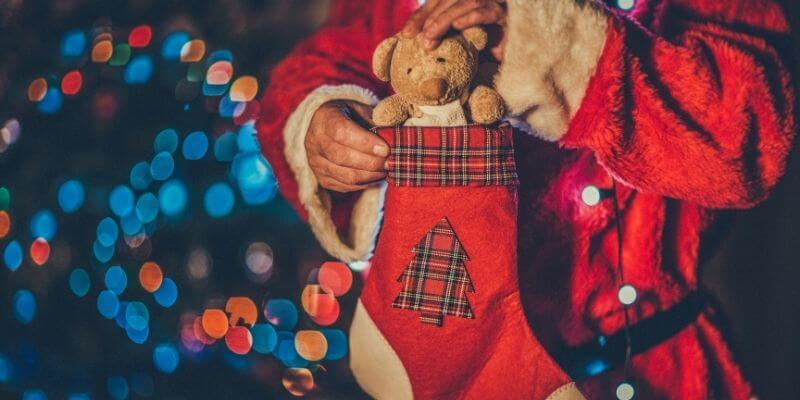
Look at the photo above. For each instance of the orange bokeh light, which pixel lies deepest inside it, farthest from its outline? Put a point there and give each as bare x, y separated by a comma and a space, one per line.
193, 50
336, 276
40, 251
215, 323
298, 381
242, 310
37, 89
239, 340
219, 73
5, 224
200, 334
311, 345
102, 51
150, 276
244, 89
328, 318
318, 301
72, 82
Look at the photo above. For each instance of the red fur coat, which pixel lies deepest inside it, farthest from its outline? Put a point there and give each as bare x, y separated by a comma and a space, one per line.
687, 104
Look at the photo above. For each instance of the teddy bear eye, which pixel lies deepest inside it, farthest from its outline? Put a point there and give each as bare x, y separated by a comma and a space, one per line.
440, 59
408, 72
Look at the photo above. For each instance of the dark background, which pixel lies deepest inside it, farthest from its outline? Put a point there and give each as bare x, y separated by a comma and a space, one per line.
70, 347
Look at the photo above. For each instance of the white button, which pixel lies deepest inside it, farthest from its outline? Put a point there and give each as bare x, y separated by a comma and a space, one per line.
626, 5
591, 195
627, 294
625, 391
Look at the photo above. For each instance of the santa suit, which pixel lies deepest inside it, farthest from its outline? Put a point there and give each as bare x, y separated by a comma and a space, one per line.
685, 104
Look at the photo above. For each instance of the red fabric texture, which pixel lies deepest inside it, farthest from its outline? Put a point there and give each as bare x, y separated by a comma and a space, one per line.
690, 109
491, 356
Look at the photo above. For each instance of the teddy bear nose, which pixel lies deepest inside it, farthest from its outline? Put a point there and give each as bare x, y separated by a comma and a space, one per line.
434, 88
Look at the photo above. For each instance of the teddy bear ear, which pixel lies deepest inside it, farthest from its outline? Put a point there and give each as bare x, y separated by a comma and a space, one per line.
382, 58
477, 36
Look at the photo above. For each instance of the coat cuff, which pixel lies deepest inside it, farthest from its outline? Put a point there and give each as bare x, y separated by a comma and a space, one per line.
551, 52
367, 210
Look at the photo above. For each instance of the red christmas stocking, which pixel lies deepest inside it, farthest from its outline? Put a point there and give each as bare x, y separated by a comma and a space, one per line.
440, 315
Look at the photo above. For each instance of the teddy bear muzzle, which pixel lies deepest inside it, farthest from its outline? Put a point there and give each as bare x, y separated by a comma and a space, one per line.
433, 89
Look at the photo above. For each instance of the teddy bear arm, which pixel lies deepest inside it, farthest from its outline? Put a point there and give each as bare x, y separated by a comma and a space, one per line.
485, 105
391, 111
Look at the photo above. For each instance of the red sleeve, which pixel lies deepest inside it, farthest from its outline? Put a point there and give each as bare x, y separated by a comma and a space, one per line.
339, 53
691, 99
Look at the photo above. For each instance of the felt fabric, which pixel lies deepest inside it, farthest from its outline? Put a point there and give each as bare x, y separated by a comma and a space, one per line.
689, 107
450, 114
483, 348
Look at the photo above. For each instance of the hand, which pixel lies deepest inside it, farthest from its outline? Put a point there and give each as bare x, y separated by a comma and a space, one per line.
344, 156
436, 17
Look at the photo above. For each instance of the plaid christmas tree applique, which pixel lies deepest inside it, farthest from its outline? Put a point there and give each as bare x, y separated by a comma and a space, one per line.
436, 281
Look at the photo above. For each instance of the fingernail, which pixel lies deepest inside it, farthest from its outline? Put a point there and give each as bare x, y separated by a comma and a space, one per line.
380, 150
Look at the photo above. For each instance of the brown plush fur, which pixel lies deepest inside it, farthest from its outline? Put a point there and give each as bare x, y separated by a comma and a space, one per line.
431, 78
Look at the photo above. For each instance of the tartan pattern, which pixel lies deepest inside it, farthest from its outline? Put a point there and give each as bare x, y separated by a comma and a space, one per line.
436, 281
471, 155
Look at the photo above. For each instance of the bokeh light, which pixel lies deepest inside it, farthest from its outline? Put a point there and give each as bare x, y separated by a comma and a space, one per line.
219, 73
121, 201
140, 176
167, 293
43, 225
139, 70
5, 224
166, 358
12, 255
215, 323
73, 44
282, 313
162, 166
79, 282
40, 251
102, 51
71, 83
311, 345
193, 51
102, 253
336, 276
172, 197
117, 387
37, 89
34, 394
166, 140
140, 36
147, 207
24, 306
172, 45
298, 381
218, 200
115, 279
626, 5
244, 89
259, 260
264, 338
195, 145
198, 264
52, 101
254, 177
107, 232
319, 302
225, 147
239, 340
150, 276
120, 56
337, 344
70, 196
242, 310
137, 315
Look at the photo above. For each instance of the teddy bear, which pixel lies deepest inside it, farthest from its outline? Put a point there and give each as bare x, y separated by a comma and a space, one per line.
436, 87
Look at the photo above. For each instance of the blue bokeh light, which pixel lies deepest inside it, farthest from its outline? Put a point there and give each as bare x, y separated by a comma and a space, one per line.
24, 306
116, 280
282, 313
130, 224
52, 101
117, 387
79, 282
195, 145
73, 44
166, 358
137, 315
225, 147
121, 200
166, 140
137, 336
172, 197
219, 55
34, 394
265, 338
140, 176
12, 255
229, 108
162, 166
102, 253
171, 47
107, 304
139, 70
147, 207
79, 396
337, 344
107, 232
43, 225
286, 351
167, 293
254, 177
246, 139
218, 200
71, 196
5, 369
214, 90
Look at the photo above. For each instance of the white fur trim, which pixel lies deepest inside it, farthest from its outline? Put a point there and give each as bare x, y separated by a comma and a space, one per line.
375, 365
368, 209
550, 54
568, 391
